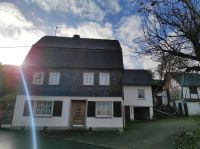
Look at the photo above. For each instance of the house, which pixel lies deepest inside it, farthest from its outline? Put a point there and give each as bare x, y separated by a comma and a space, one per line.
184, 92
74, 83
137, 90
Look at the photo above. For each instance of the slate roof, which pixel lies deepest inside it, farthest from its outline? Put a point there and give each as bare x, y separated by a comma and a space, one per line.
189, 79
53, 51
137, 77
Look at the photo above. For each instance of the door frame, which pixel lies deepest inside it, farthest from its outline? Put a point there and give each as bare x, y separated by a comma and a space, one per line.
85, 115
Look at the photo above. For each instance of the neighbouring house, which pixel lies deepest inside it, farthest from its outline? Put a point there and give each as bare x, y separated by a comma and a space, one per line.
137, 89
73, 83
184, 92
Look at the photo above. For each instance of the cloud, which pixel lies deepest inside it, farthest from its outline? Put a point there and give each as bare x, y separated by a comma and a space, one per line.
82, 8
87, 30
86, 9
127, 31
110, 6
15, 30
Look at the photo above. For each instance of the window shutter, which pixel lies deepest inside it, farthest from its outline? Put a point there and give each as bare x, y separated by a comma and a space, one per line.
26, 109
57, 108
117, 109
91, 109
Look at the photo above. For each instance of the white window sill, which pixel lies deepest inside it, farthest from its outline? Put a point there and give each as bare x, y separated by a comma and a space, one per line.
103, 116
40, 115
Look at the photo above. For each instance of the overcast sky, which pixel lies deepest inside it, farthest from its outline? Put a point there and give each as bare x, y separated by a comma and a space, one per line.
23, 22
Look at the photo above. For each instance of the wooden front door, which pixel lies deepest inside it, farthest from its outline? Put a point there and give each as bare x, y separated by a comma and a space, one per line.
78, 112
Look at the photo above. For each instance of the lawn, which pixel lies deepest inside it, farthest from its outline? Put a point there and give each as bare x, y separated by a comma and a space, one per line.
22, 140
140, 135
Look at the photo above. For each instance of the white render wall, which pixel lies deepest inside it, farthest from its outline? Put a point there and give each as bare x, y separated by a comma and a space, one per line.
131, 96
112, 122
64, 120
193, 108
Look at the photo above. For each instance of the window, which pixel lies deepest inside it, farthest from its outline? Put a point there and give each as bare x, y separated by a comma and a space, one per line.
43, 108
88, 78
193, 90
54, 78
103, 109
141, 94
38, 78
104, 79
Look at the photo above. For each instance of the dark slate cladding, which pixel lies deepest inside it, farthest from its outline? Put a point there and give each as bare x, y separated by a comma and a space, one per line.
75, 53
137, 77
71, 83
72, 57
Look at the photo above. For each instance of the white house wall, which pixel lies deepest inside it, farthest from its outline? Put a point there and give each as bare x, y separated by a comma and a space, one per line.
64, 120
131, 96
193, 108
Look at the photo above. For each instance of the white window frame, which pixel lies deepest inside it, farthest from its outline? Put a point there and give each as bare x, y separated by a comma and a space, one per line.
51, 75
88, 82
43, 115
35, 78
143, 90
102, 80
103, 116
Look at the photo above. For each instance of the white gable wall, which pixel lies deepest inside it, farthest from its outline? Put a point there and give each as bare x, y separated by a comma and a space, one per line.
131, 96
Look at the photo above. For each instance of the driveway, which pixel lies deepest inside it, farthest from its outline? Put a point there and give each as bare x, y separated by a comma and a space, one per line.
157, 134
21, 140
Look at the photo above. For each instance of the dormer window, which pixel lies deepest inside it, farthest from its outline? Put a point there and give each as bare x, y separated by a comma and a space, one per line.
104, 78
54, 78
88, 78
38, 78
193, 90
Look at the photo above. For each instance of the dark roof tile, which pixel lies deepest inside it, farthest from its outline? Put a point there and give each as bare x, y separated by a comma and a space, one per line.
137, 77
75, 53
187, 79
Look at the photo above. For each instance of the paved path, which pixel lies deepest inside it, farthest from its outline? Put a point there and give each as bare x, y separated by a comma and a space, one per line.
138, 135
21, 140
141, 135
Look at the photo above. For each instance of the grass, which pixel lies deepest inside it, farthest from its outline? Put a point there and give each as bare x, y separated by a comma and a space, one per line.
189, 139
158, 134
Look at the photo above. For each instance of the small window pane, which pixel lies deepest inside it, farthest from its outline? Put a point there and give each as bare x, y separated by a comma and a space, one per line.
141, 93
88, 78
38, 78
43, 108
54, 78
104, 109
104, 79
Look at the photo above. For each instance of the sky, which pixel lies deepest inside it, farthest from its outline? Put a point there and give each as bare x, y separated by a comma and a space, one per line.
24, 22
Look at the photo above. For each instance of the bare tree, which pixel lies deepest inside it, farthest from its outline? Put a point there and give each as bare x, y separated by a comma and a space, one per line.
171, 30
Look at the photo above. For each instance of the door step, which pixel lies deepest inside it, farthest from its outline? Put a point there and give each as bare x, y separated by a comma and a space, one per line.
78, 126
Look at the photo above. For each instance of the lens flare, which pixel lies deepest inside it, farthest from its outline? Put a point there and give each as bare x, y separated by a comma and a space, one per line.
33, 130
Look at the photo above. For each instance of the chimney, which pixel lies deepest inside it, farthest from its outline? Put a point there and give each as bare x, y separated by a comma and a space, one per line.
76, 36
